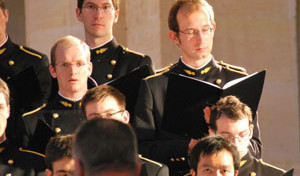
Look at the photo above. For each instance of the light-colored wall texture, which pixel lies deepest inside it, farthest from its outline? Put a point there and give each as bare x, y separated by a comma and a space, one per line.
254, 34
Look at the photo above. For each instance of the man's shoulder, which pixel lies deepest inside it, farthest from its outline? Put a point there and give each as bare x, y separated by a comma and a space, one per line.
150, 167
268, 169
25, 51
232, 68
130, 54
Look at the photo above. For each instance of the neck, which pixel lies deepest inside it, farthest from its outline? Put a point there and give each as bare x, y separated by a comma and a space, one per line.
3, 40
196, 63
94, 42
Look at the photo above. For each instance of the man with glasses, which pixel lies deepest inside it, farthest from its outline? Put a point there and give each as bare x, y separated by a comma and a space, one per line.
192, 28
71, 66
110, 60
108, 102
232, 119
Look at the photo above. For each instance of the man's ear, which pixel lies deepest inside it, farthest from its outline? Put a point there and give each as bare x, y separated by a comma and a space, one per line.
174, 37
126, 116
78, 14
79, 168
236, 173
52, 71
116, 17
48, 172
90, 68
193, 173
251, 127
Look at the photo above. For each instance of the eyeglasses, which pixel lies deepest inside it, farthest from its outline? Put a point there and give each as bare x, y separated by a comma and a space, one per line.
66, 65
109, 115
93, 8
240, 137
190, 33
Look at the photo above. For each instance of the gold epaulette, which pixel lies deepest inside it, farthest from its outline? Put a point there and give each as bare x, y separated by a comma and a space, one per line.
269, 165
134, 52
33, 152
233, 68
29, 52
164, 68
33, 111
157, 74
150, 161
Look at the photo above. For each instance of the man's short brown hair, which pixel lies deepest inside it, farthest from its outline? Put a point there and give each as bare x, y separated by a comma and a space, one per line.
191, 6
116, 4
100, 93
232, 107
2, 4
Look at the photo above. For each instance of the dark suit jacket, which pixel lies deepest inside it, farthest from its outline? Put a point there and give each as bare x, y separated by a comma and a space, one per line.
251, 166
152, 168
164, 146
20, 162
112, 61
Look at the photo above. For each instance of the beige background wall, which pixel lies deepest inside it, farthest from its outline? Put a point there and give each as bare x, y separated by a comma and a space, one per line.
251, 33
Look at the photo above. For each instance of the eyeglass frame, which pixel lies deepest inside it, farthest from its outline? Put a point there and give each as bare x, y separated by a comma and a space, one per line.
109, 115
240, 138
94, 8
196, 32
66, 65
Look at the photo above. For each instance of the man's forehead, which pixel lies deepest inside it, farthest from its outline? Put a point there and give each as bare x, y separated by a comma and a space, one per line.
98, 1
226, 123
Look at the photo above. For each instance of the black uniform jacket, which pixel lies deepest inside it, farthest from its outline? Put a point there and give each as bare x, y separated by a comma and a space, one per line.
251, 166
112, 61
15, 59
60, 116
19, 162
152, 168
164, 146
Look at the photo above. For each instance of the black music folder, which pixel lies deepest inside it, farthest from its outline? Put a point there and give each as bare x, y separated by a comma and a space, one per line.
186, 97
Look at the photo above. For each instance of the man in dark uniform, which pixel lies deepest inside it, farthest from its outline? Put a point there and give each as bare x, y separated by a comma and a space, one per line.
110, 60
14, 161
18, 61
192, 28
71, 66
106, 101
232, 119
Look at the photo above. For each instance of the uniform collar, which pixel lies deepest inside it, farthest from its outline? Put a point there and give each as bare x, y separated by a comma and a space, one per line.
5, 46
192, 72
105, 49
67, 103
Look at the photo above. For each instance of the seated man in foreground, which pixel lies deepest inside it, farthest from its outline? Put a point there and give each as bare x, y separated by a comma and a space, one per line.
232, 119
106, 101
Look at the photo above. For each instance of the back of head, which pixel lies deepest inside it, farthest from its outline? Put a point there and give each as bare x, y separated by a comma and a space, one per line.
232, 107
100, 93
189, 6
58, 148
2, 4
67, 42
105, 145
210, 145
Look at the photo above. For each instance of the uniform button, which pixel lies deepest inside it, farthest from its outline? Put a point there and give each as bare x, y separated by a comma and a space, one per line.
177, 159
252, 174
109, 76
172, 159
57, 130
218, 81
8, 78
113, 62
8, 174
11, 62
10, 162
182, 158
55, 115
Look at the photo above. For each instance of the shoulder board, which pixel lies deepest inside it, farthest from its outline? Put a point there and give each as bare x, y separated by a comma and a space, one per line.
33, 152
30, 52
134, 52
33, 111
269, 165
157, 74
164, 68
233, 68
150, 161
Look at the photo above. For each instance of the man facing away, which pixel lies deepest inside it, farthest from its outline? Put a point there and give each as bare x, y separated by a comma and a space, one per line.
232, 119
110, 60
106, 101
71, 66
59, 161
214, 155
192, 27
14, 161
